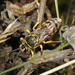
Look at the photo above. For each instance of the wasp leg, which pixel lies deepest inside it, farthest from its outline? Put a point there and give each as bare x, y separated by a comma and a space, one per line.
21, 39
22, 49
35, 25
36, 22
21, 46
41, 50
26, 30
32, 55
51, 42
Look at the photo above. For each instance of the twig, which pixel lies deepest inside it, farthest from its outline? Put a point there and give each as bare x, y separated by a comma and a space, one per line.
41, 11
49, 16
54, 57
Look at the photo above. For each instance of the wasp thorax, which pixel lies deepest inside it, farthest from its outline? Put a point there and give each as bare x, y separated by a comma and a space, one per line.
32, 40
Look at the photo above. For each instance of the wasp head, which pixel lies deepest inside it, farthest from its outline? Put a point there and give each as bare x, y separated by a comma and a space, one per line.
30, 41
22, 46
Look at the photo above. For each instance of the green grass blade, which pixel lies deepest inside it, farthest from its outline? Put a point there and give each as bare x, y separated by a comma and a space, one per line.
68, 13
56, 7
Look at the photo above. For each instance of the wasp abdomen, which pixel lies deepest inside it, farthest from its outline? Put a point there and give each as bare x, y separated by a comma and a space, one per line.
52, 25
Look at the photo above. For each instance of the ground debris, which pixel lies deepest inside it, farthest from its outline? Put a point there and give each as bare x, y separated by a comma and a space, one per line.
68, 34
54, 57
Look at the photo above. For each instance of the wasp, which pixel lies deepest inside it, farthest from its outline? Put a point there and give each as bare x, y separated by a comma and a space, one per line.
40, 35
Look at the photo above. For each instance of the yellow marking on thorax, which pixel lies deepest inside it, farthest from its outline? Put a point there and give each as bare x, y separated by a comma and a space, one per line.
35, 43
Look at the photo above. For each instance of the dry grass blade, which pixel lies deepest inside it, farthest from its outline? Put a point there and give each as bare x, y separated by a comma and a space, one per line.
9, 30
4, 40
58, 68
9, 27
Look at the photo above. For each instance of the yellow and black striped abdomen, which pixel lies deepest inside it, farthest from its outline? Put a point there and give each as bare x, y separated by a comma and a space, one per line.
51, 26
